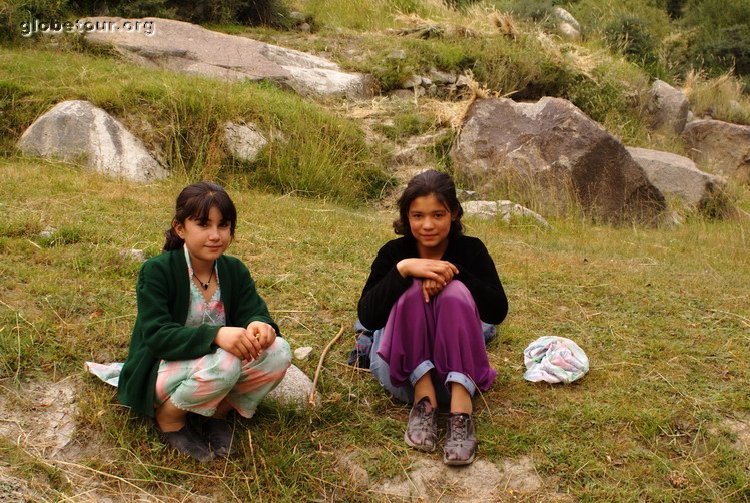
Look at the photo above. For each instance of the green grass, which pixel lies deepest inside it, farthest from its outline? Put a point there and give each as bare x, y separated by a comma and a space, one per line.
182, 118
662, 314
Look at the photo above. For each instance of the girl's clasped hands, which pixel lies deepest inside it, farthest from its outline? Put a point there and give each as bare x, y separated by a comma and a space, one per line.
435, 274
246, 343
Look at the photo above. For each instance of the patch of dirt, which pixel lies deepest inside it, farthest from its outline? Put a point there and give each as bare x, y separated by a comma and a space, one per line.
741, 428
431, 480
39, 417
14, 489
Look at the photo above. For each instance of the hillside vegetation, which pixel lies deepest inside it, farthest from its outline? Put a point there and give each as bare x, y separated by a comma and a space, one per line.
662, 313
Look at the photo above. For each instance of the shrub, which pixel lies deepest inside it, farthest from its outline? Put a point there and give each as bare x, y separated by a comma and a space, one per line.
14, 12
631, 36
722, 34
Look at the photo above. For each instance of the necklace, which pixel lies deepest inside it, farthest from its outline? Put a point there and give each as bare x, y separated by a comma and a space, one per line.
205, 285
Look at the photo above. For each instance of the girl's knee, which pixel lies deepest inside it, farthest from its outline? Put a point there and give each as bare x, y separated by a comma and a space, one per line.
279, 354
227, 365
414, 292
456, 292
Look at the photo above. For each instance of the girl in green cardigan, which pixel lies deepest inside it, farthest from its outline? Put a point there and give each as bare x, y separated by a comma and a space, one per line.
203, 343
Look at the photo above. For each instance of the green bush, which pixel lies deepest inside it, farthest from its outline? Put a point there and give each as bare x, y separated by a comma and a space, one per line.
722, 34
534, 10
631, 36
15, 12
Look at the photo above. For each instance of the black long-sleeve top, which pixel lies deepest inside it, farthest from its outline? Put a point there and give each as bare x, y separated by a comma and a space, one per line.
476, 270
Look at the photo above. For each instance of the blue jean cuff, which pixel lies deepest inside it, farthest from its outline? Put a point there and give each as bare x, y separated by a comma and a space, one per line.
421, 370
461, 379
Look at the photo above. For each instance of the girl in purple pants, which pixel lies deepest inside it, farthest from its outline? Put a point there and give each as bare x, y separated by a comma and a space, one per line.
429, 291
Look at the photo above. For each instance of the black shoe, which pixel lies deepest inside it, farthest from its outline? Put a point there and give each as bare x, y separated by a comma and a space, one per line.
220, 434
186, 441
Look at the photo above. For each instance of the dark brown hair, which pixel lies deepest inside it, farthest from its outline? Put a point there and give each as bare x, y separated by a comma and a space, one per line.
426, 183
195, 202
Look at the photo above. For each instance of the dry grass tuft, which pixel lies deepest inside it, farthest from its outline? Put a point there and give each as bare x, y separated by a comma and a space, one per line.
721, 97
413, 20
452, 113
505, 23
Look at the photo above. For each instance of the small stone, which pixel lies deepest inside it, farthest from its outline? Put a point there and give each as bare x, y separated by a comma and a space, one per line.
426, 82
304, 27
298, 16
48, 232
135, 254
412, 82
467, 195
462, 81
439, 77
399, 54
294, 388
302, 353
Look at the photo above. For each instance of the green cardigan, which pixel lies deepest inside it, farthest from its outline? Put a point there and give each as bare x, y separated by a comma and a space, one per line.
163, 297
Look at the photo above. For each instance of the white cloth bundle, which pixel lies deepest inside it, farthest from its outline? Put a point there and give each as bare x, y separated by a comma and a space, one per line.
554, 360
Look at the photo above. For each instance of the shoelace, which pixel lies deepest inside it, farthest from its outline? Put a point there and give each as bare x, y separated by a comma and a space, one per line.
423, 417
459, 428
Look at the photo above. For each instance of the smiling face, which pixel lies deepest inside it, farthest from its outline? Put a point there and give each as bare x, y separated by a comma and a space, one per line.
205, 241
430, 223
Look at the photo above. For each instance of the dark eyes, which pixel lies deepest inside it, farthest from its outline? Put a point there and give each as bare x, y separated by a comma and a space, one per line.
223, 225
434, 215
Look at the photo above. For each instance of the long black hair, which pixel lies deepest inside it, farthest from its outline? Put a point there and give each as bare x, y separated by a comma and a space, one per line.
426, 183
195, 202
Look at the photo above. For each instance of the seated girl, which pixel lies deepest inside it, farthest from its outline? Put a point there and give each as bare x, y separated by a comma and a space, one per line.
426, 298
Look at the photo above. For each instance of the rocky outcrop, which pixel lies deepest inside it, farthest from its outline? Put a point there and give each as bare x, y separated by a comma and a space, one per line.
720, 147
668, 107
188, 48
77, 131
554, 155
675, 175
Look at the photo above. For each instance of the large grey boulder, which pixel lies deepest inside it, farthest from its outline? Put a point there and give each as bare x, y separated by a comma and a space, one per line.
188, 48
668, 107
76, 131
720, 147
554, 155
675, 175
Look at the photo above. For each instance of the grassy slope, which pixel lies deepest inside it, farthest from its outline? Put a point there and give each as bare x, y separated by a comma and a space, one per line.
311, 151
662, 314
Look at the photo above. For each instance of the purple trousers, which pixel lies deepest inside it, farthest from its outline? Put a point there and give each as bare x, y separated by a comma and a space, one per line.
444, 335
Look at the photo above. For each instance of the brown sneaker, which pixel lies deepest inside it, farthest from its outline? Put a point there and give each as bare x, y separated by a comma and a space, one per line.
460, 440
421, 430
